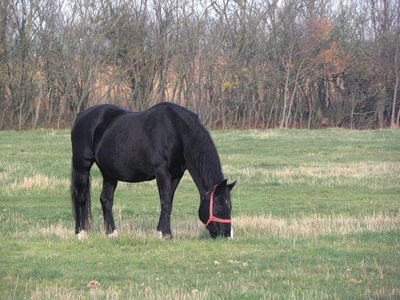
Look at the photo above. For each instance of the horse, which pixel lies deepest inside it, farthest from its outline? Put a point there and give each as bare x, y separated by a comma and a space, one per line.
159, 143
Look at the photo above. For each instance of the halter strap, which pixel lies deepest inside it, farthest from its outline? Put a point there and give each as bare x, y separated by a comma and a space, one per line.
212, 218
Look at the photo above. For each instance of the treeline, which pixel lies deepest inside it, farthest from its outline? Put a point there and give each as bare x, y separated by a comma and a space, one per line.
237, 63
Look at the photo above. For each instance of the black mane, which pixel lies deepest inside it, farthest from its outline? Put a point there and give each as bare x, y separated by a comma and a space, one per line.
202, 152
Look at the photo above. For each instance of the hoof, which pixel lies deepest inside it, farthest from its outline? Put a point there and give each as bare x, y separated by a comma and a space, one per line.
167, 236
164, 236
82, 235
114, 234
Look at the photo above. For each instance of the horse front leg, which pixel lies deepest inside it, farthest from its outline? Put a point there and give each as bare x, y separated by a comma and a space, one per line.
166, 188
107, 199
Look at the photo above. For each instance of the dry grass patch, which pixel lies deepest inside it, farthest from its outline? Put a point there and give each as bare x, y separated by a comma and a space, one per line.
59, 230
264, 134
325, 175
355, 170
131, 290
295, 227
35, 184
313, 226
21, 228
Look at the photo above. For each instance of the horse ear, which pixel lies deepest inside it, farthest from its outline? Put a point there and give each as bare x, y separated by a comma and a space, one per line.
225, 184
220, 187
230, 186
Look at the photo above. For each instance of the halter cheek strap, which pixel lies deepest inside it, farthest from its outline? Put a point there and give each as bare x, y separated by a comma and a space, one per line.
212, 218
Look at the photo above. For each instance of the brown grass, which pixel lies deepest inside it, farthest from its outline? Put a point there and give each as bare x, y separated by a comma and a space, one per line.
267, 226
313, 226
327, 175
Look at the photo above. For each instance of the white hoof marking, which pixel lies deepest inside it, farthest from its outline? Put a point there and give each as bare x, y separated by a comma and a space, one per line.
82, 235
114, 234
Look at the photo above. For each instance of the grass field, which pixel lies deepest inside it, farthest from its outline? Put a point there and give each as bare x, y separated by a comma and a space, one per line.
316, 215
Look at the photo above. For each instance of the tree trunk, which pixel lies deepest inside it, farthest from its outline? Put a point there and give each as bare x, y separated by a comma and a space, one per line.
37, 111
396, 86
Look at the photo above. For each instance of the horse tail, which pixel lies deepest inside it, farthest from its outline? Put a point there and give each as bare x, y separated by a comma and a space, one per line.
81, 199
87, 207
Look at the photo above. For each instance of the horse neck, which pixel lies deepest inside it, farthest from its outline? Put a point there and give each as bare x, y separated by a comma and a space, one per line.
206, 181
205, 168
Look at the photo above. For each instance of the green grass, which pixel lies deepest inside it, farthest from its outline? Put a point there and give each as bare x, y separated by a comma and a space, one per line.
315, 213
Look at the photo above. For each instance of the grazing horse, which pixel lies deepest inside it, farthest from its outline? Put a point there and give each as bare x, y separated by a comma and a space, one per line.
159, 143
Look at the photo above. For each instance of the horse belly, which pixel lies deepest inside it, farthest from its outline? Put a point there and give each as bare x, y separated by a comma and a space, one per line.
124, 161
128, 170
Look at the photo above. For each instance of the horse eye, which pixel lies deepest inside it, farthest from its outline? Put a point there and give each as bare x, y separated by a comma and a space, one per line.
229, 204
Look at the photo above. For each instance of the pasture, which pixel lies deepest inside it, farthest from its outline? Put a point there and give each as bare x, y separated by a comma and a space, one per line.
316, 215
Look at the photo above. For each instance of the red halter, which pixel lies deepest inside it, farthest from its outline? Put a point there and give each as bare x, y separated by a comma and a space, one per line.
212, 218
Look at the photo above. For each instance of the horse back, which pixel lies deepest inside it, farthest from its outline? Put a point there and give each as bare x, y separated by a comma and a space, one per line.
135, 145
182, 119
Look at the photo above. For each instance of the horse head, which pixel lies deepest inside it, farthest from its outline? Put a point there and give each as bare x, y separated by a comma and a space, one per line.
215, 210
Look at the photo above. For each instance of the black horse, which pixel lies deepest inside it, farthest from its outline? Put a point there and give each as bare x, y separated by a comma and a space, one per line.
159, 143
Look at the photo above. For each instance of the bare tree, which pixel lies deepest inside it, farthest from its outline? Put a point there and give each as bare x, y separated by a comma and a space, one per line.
238, 63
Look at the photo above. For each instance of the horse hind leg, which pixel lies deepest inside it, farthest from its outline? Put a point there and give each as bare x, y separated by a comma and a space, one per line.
81, 201
107, 199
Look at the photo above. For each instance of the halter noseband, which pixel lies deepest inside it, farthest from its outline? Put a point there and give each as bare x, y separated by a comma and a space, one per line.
212, 218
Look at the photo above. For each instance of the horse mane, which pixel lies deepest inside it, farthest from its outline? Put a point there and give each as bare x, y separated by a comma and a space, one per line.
202, 153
